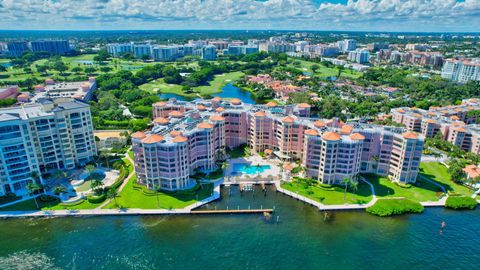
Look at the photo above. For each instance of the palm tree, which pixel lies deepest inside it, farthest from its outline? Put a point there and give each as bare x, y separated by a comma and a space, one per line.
354, 186
156, 188
58, 190
104, 154
224, 166
90, 169
340, 69
96, 185
33, 187
346, 181
113, 194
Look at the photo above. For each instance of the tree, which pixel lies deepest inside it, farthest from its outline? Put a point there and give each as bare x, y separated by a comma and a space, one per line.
340, 69
102, 56
32, 188
90, 169
346, 182
59, 190
112, 194
96, 186
77, 69
60, 67
3, 68
315, 68
105, 69
90, 70
145, 57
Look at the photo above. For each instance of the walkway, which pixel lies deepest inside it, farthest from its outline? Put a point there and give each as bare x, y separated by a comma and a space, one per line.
125, 181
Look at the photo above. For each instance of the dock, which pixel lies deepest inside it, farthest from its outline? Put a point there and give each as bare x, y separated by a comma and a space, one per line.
233, 211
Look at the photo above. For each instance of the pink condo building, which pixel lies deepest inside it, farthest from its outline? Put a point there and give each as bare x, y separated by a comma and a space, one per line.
456, 124
190, 136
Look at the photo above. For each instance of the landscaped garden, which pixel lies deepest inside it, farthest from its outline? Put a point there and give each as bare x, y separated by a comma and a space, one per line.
327, 194
394, 206
439, 173
138, 196
421, 191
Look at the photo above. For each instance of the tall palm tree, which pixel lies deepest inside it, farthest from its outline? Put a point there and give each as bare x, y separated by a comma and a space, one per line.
32, 188
90, 169
346, 181
354, 186
113, 194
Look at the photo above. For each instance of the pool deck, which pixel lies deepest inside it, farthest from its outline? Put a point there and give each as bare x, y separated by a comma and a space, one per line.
254, 160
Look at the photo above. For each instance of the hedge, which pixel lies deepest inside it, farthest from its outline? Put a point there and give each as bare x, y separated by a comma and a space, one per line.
398, 206
460, 202
96, 199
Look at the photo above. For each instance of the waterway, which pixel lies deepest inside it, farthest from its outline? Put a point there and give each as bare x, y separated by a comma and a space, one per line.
228, 91
297, 236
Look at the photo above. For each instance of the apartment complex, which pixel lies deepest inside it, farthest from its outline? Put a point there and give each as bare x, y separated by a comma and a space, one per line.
190, 136
37, 138
461, 71
456, 124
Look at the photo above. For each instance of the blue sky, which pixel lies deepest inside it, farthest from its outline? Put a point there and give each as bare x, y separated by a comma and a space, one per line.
353, 15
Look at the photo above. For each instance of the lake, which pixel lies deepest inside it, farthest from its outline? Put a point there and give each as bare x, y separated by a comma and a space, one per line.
228, 91
297, 236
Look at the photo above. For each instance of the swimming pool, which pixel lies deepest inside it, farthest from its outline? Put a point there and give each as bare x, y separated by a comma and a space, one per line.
249, 169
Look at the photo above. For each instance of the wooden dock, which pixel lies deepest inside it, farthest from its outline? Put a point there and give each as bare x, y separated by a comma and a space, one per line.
232, 211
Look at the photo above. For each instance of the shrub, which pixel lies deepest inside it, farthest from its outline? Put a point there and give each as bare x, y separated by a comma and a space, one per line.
460, 202
389, 207
9, 197
96, 199
47, 198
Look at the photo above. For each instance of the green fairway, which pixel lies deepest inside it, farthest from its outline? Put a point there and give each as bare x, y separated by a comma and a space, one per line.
331, 195
324, 71
437, 172
421, 191
159, 86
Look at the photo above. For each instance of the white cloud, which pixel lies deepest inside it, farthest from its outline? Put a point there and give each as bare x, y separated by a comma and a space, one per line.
238, 13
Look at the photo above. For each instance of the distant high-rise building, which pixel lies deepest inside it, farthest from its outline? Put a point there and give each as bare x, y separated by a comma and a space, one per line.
234, 50
347, 45
139, 51
461, 71
359, 56
376, 46
117, 49
209, 53
57, 47
167, 53
17, 48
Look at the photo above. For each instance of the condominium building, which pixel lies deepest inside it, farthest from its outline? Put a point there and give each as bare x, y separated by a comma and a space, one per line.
141, 51
209, 53
57, 47
461, 71
65, 91
190, 136
119, 49
17, 48
359, 56
347, 45
37, 138
456, 124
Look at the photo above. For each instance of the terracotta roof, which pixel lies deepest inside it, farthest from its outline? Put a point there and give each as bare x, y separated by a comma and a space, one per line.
161, 120
201, 108
175, 133
217, 118
154, 138
409, 135
268, 151
288, 119
357, 136
176, 114
220, 109
160, 103
205, 125
431, 121
331, 136
319, 124
288, 166
180, 139
304, 105
454, 117
217, 99
271, 104
235, 101
138, 135
401, 110
460, 129
472, 171
346, 129
259, 114
311, 132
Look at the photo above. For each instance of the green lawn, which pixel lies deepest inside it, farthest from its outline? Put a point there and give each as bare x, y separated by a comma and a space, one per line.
331, 195
422, 191
29, 205
136, 198
214, 86
437, 172
324, 71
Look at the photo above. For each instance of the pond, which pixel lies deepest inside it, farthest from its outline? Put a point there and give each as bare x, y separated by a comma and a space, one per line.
228, 91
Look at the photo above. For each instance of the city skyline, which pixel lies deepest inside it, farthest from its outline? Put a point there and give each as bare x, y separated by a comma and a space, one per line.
341, 15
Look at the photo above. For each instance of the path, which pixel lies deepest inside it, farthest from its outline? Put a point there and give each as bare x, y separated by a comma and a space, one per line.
125, 181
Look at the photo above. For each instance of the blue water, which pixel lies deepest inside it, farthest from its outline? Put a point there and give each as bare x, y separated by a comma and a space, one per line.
248, 169
7, 64
85, 62
231, 91
228, 91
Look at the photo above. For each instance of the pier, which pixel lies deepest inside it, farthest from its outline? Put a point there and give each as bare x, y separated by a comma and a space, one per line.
233, 211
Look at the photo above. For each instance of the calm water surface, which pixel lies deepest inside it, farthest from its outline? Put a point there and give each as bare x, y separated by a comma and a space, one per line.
297, 236
228, 91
